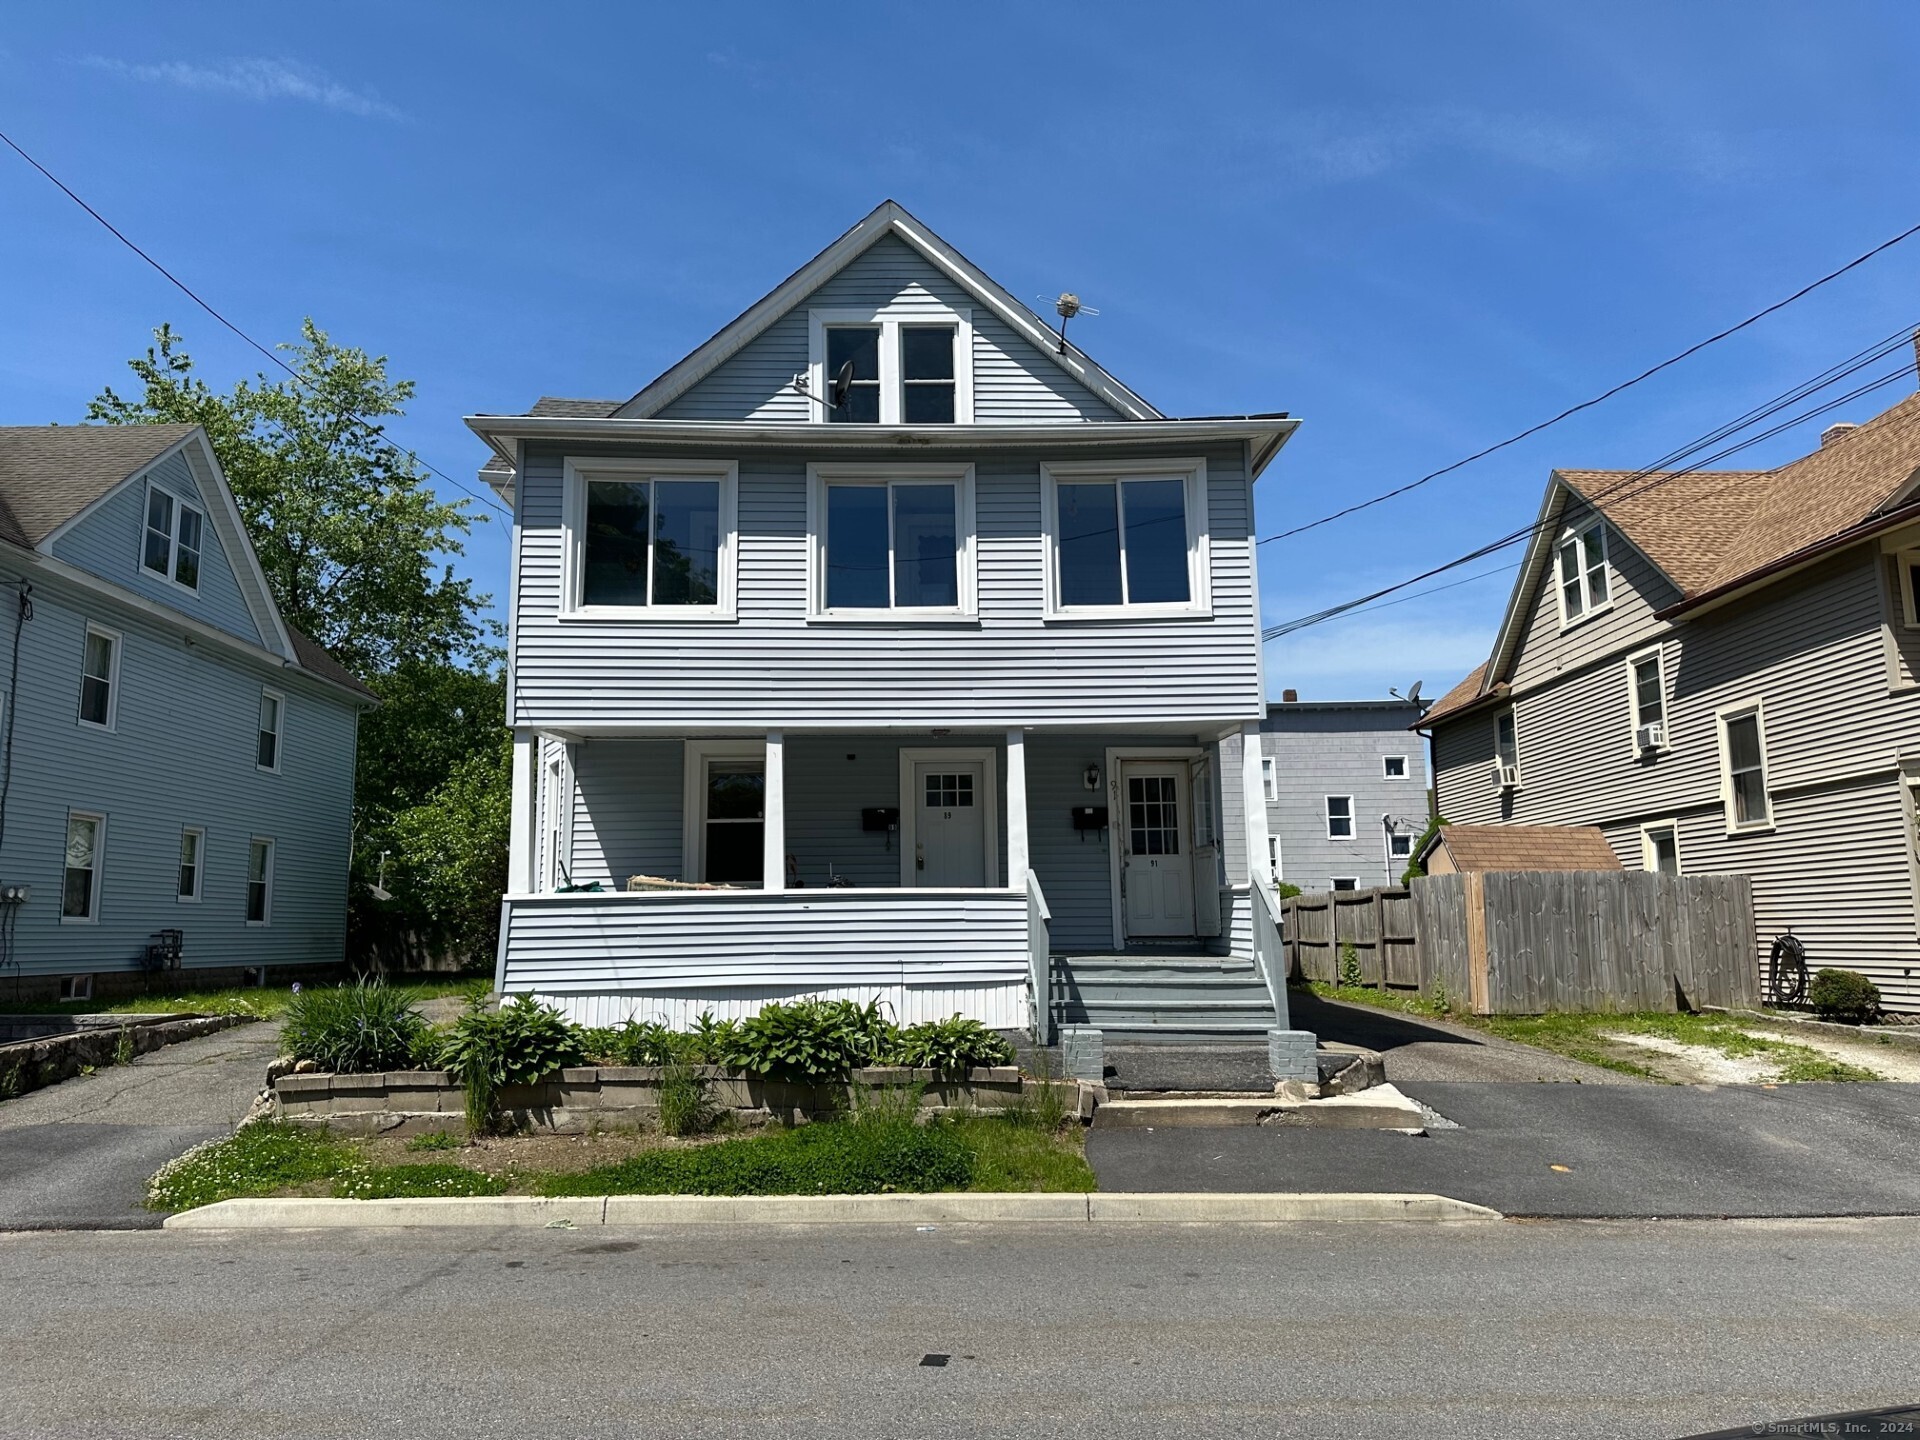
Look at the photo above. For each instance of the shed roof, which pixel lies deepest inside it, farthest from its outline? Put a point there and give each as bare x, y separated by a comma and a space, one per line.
1482, 848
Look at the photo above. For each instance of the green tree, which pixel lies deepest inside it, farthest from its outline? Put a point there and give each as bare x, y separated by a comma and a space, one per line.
450, 854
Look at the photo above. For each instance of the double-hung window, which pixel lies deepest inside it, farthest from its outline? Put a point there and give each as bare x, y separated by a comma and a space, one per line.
1269, 780
899, 366
649, 540
1743, 768
267, 742
1646, 675
1660, 849
1581, 566
80, 890
100, 677
1339, 817
259, 881
1506, 744
892, 539
193, 845
170, 546
1127, 540
1907, 563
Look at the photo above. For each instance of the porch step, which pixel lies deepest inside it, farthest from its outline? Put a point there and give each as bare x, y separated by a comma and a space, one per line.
1165, 998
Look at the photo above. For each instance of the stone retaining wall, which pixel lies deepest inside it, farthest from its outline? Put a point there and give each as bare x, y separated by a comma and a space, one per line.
578, 1100
96, 1041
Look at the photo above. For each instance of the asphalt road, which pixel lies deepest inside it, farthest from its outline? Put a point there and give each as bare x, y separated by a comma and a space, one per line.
1628, 1150
79, 1153
1507, 1329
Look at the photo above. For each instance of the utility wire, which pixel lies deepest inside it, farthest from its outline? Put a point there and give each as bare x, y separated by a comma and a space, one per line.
1572, 410
1655, 475
192, 295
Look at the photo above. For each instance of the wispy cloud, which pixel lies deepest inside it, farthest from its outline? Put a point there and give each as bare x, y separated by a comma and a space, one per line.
253, 78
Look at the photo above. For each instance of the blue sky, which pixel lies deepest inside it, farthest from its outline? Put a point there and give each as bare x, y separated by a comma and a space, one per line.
1418, 227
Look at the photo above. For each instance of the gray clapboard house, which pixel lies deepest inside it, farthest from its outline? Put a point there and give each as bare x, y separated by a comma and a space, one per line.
904, 691
1722, 672
173, 756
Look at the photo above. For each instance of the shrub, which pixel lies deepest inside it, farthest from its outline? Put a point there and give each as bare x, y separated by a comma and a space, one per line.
1350, 973
521, 1043
951, 1047
1414, 868
813, 1040
392, 1182
711, 1041
1285, 890
1844, 995
354, 1029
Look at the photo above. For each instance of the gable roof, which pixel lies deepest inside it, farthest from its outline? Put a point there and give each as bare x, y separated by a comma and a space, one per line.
1720, 532
1481, 848
888, 218
1467, 692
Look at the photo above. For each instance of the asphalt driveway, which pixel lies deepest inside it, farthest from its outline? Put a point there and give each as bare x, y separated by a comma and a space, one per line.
77, 1155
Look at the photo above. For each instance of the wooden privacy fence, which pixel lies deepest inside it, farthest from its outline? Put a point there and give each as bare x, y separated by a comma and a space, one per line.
1527, 942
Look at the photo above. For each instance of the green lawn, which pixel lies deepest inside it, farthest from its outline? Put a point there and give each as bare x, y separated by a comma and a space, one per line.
265, 1002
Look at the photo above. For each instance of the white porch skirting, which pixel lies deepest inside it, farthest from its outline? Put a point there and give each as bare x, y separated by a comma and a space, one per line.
928, 954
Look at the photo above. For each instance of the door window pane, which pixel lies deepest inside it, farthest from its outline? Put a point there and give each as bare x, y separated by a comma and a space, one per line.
949, 792
856, 547
925, 547
82, 862
926, 374
861, 345
1089, 544
615, 547
158, 546
1156, 536
735, 827
686, 544
1153, 815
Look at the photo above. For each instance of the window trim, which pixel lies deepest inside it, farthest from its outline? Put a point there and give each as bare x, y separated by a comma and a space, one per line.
279, 736
1270, 779
180, 503
578, 471
693, 796
199, 832
1577, 534
891, 319
1511, 714
266, 907
1649, 861
1193, 470
1394, 833
876, 474
97, 885
1327, 810
114, 638
1406, 767
1904, 562
1656, 652
1722, 718
1343, 883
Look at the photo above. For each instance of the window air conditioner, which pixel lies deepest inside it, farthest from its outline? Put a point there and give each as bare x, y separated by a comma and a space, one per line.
1507, 776
1650, 737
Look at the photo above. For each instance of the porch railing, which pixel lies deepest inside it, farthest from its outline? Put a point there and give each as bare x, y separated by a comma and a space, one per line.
1039, 962
1269, 949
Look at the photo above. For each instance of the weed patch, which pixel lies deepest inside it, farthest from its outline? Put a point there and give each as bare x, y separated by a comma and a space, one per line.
255, 1160
398, 1182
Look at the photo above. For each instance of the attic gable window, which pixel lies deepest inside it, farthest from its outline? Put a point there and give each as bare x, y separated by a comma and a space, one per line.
170, 546
911, 365
1580, 561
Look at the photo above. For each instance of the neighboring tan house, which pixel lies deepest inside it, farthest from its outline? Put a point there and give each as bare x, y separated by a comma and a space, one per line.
1493, 849
1722, 672
876, 690
173, 756
1346, 791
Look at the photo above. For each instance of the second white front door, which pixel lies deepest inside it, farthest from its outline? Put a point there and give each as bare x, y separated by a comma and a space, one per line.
950, 824
1156, 865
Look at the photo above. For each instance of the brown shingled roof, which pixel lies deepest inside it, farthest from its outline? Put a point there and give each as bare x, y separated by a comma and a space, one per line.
1459, 697
1683, 523
50, 473
1481, 848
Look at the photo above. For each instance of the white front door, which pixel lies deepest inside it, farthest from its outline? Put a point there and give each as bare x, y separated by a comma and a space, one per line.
1156, 866
950, 824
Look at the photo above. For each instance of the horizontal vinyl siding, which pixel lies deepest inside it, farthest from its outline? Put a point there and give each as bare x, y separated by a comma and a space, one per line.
626, 813
772, 667
1013, 381
1317, 754
1637, 591
181, 754
108, 543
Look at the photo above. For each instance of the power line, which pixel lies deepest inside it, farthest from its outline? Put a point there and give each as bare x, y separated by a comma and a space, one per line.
192, 295
1572, 410
1655, 475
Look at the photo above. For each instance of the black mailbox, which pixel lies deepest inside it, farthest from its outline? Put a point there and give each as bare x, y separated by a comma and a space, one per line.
880, 818
1089, 817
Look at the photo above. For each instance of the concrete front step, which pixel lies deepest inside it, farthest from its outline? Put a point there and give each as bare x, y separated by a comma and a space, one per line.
1172, 992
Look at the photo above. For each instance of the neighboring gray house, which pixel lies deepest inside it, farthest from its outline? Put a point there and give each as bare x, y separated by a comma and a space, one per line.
1345, 783
173, 757
886, 693
1722, 672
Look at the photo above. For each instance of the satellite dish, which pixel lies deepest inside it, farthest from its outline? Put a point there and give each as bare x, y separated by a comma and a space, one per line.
842, 384
1413, 693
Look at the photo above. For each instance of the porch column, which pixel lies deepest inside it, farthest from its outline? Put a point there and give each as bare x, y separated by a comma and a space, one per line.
520, 848
773, 859
1017, 852
1253, 796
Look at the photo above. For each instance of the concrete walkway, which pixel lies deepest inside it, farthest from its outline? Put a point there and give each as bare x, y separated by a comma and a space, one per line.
77, 1155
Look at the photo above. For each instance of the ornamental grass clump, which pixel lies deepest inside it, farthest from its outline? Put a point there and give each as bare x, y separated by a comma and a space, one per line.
355, 1029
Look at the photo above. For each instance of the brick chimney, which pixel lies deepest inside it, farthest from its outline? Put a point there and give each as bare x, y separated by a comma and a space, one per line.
1289, 697
1835, 431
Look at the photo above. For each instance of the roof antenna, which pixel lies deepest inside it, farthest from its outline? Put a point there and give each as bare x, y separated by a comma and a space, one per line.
1066, 306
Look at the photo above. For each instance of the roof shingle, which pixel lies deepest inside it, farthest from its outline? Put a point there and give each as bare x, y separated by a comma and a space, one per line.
50, 473
1480, 848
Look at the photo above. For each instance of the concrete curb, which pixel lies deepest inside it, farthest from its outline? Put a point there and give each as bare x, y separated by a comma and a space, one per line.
572, 1213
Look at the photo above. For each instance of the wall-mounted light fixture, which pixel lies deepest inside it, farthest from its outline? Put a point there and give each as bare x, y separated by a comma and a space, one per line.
1092, 777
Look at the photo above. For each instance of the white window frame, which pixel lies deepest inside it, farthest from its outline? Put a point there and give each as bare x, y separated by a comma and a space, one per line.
966, 558
1906, 560
113, 638
1512, 716
578, 471
891, 319
1657, 654
1352, 828
1343, 882
199, 833
97, 885
1395, 835
246, 894
1270, 779
180, 503
693, 797
1722, 719
1273, 855
279, 735
1193, 471
1576, 536
1406, 767
1649, 858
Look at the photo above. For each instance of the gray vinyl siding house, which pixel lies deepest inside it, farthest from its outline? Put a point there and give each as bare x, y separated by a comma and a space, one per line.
1788, 714
921, 778
136, 801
